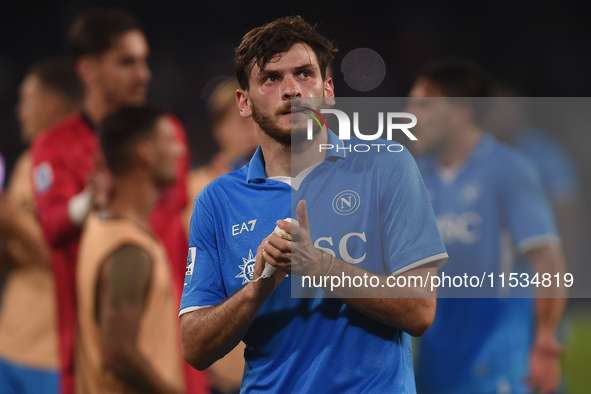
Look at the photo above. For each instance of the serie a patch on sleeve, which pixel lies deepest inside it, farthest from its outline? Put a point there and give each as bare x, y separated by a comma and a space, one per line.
190, 266
43, 177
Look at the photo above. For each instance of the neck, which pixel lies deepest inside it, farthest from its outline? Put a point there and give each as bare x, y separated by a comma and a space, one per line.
96, 106
459, 147
126, 201
281, 160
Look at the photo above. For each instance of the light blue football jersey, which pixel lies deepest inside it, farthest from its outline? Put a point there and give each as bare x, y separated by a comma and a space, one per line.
382, 221
490, 207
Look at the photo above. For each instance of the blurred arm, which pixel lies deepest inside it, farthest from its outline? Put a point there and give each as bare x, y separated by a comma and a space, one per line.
544, 356
570, 213
23, 244
124, 285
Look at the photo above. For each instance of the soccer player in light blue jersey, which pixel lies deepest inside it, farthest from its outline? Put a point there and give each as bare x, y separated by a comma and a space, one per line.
358, 214
487, 197
509, 123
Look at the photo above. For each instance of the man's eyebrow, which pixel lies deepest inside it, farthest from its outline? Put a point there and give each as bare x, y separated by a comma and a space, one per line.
306, 67
266, 71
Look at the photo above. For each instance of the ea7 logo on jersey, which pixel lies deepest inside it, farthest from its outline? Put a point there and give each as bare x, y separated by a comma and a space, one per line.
346, 202
190, 265
247, 269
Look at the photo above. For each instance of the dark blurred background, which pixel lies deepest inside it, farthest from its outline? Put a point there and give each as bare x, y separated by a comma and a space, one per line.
541, 48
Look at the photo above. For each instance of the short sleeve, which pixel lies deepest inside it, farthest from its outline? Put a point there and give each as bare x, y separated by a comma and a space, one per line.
58, 174
527, 210
410, 236
203, 284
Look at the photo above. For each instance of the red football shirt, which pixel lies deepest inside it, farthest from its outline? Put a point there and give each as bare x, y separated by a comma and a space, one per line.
64, 158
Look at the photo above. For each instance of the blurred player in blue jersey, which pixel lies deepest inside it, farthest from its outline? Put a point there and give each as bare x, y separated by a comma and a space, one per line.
314, 345
507, 120
487, 197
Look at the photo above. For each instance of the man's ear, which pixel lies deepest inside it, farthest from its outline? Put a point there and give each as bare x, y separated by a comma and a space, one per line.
146, 154
244, 103
329, 91
86, 69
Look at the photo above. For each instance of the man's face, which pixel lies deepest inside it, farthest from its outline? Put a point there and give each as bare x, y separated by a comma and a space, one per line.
293, 74
122, 73
168, 151
38, 107
434, 117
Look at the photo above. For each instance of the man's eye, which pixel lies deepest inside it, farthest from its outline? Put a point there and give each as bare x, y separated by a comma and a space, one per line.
305, 74
126, 61
272, 79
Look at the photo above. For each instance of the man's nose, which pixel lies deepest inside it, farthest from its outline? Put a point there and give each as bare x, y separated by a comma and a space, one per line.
143, 71
291, 88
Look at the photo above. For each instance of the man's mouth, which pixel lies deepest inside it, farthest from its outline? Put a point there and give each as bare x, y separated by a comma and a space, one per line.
293, 111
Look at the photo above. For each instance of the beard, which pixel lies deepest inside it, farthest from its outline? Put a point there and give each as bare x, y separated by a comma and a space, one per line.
269, 127
296, 135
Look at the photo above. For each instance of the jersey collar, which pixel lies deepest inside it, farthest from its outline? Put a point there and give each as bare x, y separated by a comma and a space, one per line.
256, 169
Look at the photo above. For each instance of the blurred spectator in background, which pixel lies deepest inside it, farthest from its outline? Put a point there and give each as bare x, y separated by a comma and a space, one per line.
128, 333
480, 190
237, 140
235, 136
507, 120
109, 51
28, 326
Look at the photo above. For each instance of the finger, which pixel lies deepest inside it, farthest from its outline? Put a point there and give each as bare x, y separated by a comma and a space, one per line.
302, 215
285, 225
277, 254
280, 243
281, 266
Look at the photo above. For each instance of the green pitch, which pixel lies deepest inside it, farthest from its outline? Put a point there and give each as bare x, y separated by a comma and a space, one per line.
577, 358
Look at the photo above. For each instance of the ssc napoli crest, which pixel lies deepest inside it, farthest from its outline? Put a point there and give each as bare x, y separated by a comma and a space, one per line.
346, 202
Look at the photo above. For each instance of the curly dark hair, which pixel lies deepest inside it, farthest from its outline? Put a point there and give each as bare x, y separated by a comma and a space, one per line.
261, 44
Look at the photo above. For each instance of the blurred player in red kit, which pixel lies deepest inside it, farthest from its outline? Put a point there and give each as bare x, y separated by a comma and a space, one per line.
110, 53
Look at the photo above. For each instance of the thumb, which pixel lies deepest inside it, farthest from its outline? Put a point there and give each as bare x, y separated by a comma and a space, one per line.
302, 214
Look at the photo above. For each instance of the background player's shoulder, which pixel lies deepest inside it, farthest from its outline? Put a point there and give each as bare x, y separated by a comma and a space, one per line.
507, 155
62, 134
509, 160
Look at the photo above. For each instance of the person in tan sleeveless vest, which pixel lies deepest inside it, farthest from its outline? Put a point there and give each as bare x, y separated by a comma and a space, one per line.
28, 327
128, 339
